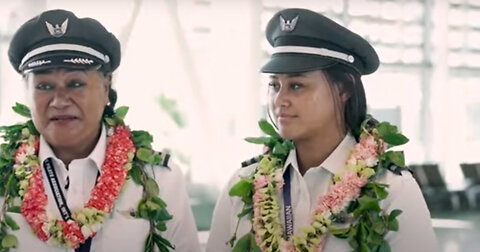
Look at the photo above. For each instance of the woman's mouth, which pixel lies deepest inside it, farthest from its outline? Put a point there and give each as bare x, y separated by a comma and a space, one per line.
63, 119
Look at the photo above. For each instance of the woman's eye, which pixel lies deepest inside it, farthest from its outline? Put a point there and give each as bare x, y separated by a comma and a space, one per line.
44, 86
75, 84
274, 86
295, 86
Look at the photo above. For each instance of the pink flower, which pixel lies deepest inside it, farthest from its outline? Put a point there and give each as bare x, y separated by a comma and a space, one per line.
352, 179
257, 197
260, 182
366, 150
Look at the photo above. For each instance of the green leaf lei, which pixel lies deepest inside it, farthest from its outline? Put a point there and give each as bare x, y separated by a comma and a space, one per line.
150, 207
371, 223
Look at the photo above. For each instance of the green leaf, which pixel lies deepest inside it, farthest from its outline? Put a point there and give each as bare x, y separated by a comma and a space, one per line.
163, 215
159, 201
396, 157
145, 155
340, 232
364, 248
279, 150
157, 159
245, 211
288, 144
395, 139
380, 191
161, 226
14, 209
243, 243
22, 110
31, 127
149, 243
385, 128
241, 188
162, 242
121, 112
11, 223
253, 245
393, 214
152, 206
374, 238
142, 138
392, 225
258, 140
142, 210
384, 247
9, 241
110, 121
136, 174
378, 227
151, 187
366, 203
268, 129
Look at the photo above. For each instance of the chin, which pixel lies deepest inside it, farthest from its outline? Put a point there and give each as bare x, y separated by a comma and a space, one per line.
289, 134
61, 141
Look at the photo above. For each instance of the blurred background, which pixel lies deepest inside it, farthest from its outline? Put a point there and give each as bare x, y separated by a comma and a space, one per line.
189, 74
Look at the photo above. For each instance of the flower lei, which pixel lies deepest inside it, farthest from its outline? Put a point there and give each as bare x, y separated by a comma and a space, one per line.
21, 179
354, 194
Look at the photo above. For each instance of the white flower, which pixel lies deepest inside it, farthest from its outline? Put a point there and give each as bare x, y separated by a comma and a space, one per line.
22, 157
86, 231
29, 150
371, 161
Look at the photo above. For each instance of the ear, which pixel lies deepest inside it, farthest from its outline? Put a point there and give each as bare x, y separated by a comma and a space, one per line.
343, 92
108, 85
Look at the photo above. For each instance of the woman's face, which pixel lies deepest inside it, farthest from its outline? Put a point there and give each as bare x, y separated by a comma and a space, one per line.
303, 105
67, 105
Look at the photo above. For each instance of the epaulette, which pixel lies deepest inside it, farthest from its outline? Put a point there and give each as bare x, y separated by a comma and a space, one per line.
398, 170
250, 161
165, 158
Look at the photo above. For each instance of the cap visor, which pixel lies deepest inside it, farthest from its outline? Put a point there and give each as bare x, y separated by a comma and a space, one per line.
296, 63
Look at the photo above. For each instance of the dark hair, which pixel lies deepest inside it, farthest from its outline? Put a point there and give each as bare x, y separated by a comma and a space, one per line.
355, 110
109, 110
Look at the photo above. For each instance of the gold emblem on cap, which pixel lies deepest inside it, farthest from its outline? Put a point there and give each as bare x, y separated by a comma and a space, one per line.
288, 25
57, 30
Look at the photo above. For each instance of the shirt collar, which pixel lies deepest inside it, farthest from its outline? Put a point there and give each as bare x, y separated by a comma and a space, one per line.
334, 163
97, 155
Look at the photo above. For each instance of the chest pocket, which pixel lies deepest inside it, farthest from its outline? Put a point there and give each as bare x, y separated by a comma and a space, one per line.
122, 231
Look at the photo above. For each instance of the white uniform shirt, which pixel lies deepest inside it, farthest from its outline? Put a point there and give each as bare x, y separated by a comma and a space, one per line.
415, 229
120, 231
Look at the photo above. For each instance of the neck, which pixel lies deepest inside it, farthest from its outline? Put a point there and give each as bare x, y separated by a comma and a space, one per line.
67, 153
313, 151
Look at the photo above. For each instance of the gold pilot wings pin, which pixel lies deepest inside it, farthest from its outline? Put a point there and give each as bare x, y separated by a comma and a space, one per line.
57, 30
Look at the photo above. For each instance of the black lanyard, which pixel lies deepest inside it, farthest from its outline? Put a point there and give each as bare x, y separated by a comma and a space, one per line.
287, 203
61, 202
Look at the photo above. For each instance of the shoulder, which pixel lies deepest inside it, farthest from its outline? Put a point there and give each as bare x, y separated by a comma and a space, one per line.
246, 168
399, 183
166, 170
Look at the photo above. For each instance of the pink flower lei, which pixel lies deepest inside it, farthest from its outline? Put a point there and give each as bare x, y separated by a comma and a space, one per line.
268, 180
87, 221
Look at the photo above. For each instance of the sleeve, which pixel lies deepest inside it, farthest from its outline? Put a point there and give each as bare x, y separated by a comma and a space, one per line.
220, 230
415, 227
181, 230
